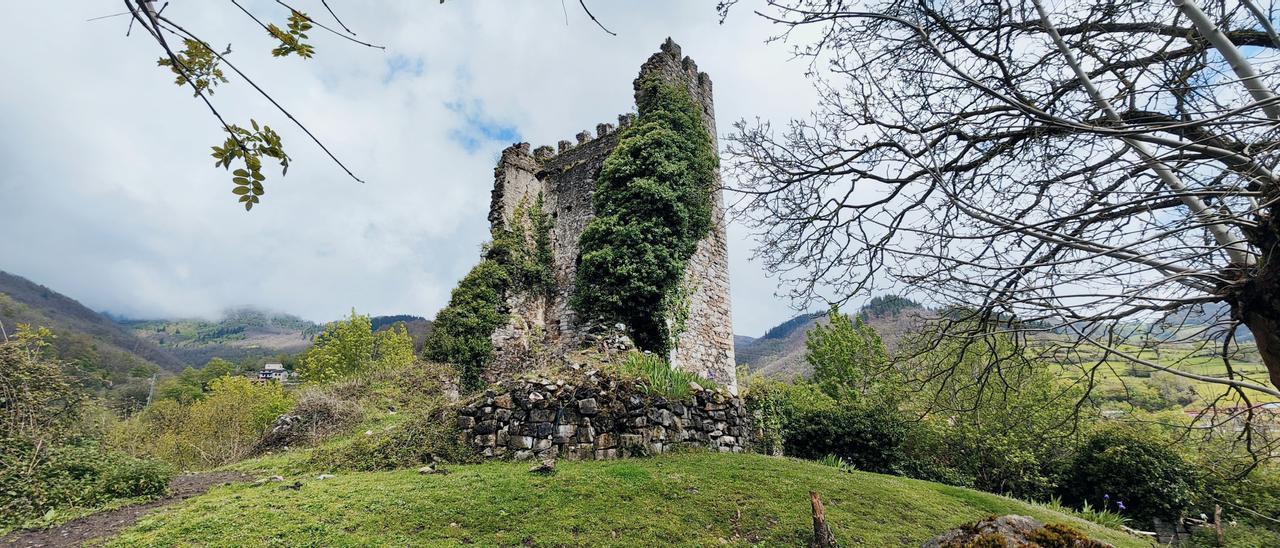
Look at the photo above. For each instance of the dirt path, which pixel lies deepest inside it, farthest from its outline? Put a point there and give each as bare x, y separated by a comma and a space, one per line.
78, 531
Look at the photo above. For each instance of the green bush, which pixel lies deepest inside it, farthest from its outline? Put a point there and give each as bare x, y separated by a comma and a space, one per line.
518, 258
460, 334
124, 476
653, 205
1133, 472
219, 429
778, 405
75, 475
1234, 536
431, 434
869, 439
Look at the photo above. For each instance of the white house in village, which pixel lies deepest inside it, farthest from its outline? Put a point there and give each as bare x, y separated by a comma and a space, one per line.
275, 372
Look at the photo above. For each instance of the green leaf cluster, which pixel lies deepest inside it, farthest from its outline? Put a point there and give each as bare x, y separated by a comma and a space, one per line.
197, 65
49, 458
846, 355
658, 377
524, 248
1136, 469
218, 429
291, 40
350, 347
653, 205
461, 332
250, 146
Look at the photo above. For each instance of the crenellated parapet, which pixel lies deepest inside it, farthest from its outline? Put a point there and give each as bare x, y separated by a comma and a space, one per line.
564, 177
546, 153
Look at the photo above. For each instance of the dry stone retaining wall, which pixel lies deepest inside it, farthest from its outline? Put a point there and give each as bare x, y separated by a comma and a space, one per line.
598, 418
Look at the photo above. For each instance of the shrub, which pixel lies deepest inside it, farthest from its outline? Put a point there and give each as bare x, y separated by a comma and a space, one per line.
520, 258
1133, 472
39, 407
834, 462
431, 434
869, 439
345, 348
219, 429
74, 475
316, 415
124, 476
460, 334
778, 405
653, 205
225, 425
410, 386
993, 415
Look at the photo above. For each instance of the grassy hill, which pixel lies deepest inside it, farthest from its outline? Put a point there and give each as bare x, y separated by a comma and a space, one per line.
240, 334
682, 499
104, 356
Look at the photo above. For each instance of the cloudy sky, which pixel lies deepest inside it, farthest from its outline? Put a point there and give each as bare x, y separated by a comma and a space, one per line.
108, 194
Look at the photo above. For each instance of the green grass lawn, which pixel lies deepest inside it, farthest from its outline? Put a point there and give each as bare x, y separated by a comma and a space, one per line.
684, 499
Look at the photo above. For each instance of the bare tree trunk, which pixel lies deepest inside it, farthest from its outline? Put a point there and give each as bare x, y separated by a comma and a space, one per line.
1265, 325
822, 537
1235, 249
1239, 63
1258, 300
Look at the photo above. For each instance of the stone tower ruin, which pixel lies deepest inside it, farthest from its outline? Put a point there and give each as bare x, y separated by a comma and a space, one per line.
564, 178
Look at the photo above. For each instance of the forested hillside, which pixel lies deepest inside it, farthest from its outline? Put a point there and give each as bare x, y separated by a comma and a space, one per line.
105, 357
779, 353
241, 334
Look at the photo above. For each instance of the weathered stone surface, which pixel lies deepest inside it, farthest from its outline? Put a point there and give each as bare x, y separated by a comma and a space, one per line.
565, 178
1014, 532
503, 401
616, 418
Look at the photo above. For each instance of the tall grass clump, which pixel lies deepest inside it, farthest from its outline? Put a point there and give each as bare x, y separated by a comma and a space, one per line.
658, 377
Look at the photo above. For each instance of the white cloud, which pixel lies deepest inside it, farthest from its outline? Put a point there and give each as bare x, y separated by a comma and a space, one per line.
107, 192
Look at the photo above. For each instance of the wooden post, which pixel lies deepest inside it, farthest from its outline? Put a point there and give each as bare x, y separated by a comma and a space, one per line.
822, 537
1217, 522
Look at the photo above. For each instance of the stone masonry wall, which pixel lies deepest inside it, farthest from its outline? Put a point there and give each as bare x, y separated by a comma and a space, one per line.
598, 418
565, 177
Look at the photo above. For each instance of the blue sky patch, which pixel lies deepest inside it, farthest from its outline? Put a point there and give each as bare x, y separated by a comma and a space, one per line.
403, 66
478, 128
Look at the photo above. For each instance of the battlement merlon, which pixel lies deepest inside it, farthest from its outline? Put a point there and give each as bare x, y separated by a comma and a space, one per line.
512, 181
669, 65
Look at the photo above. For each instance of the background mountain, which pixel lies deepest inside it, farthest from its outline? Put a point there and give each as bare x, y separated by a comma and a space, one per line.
104, 356
244, 334
779, 353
